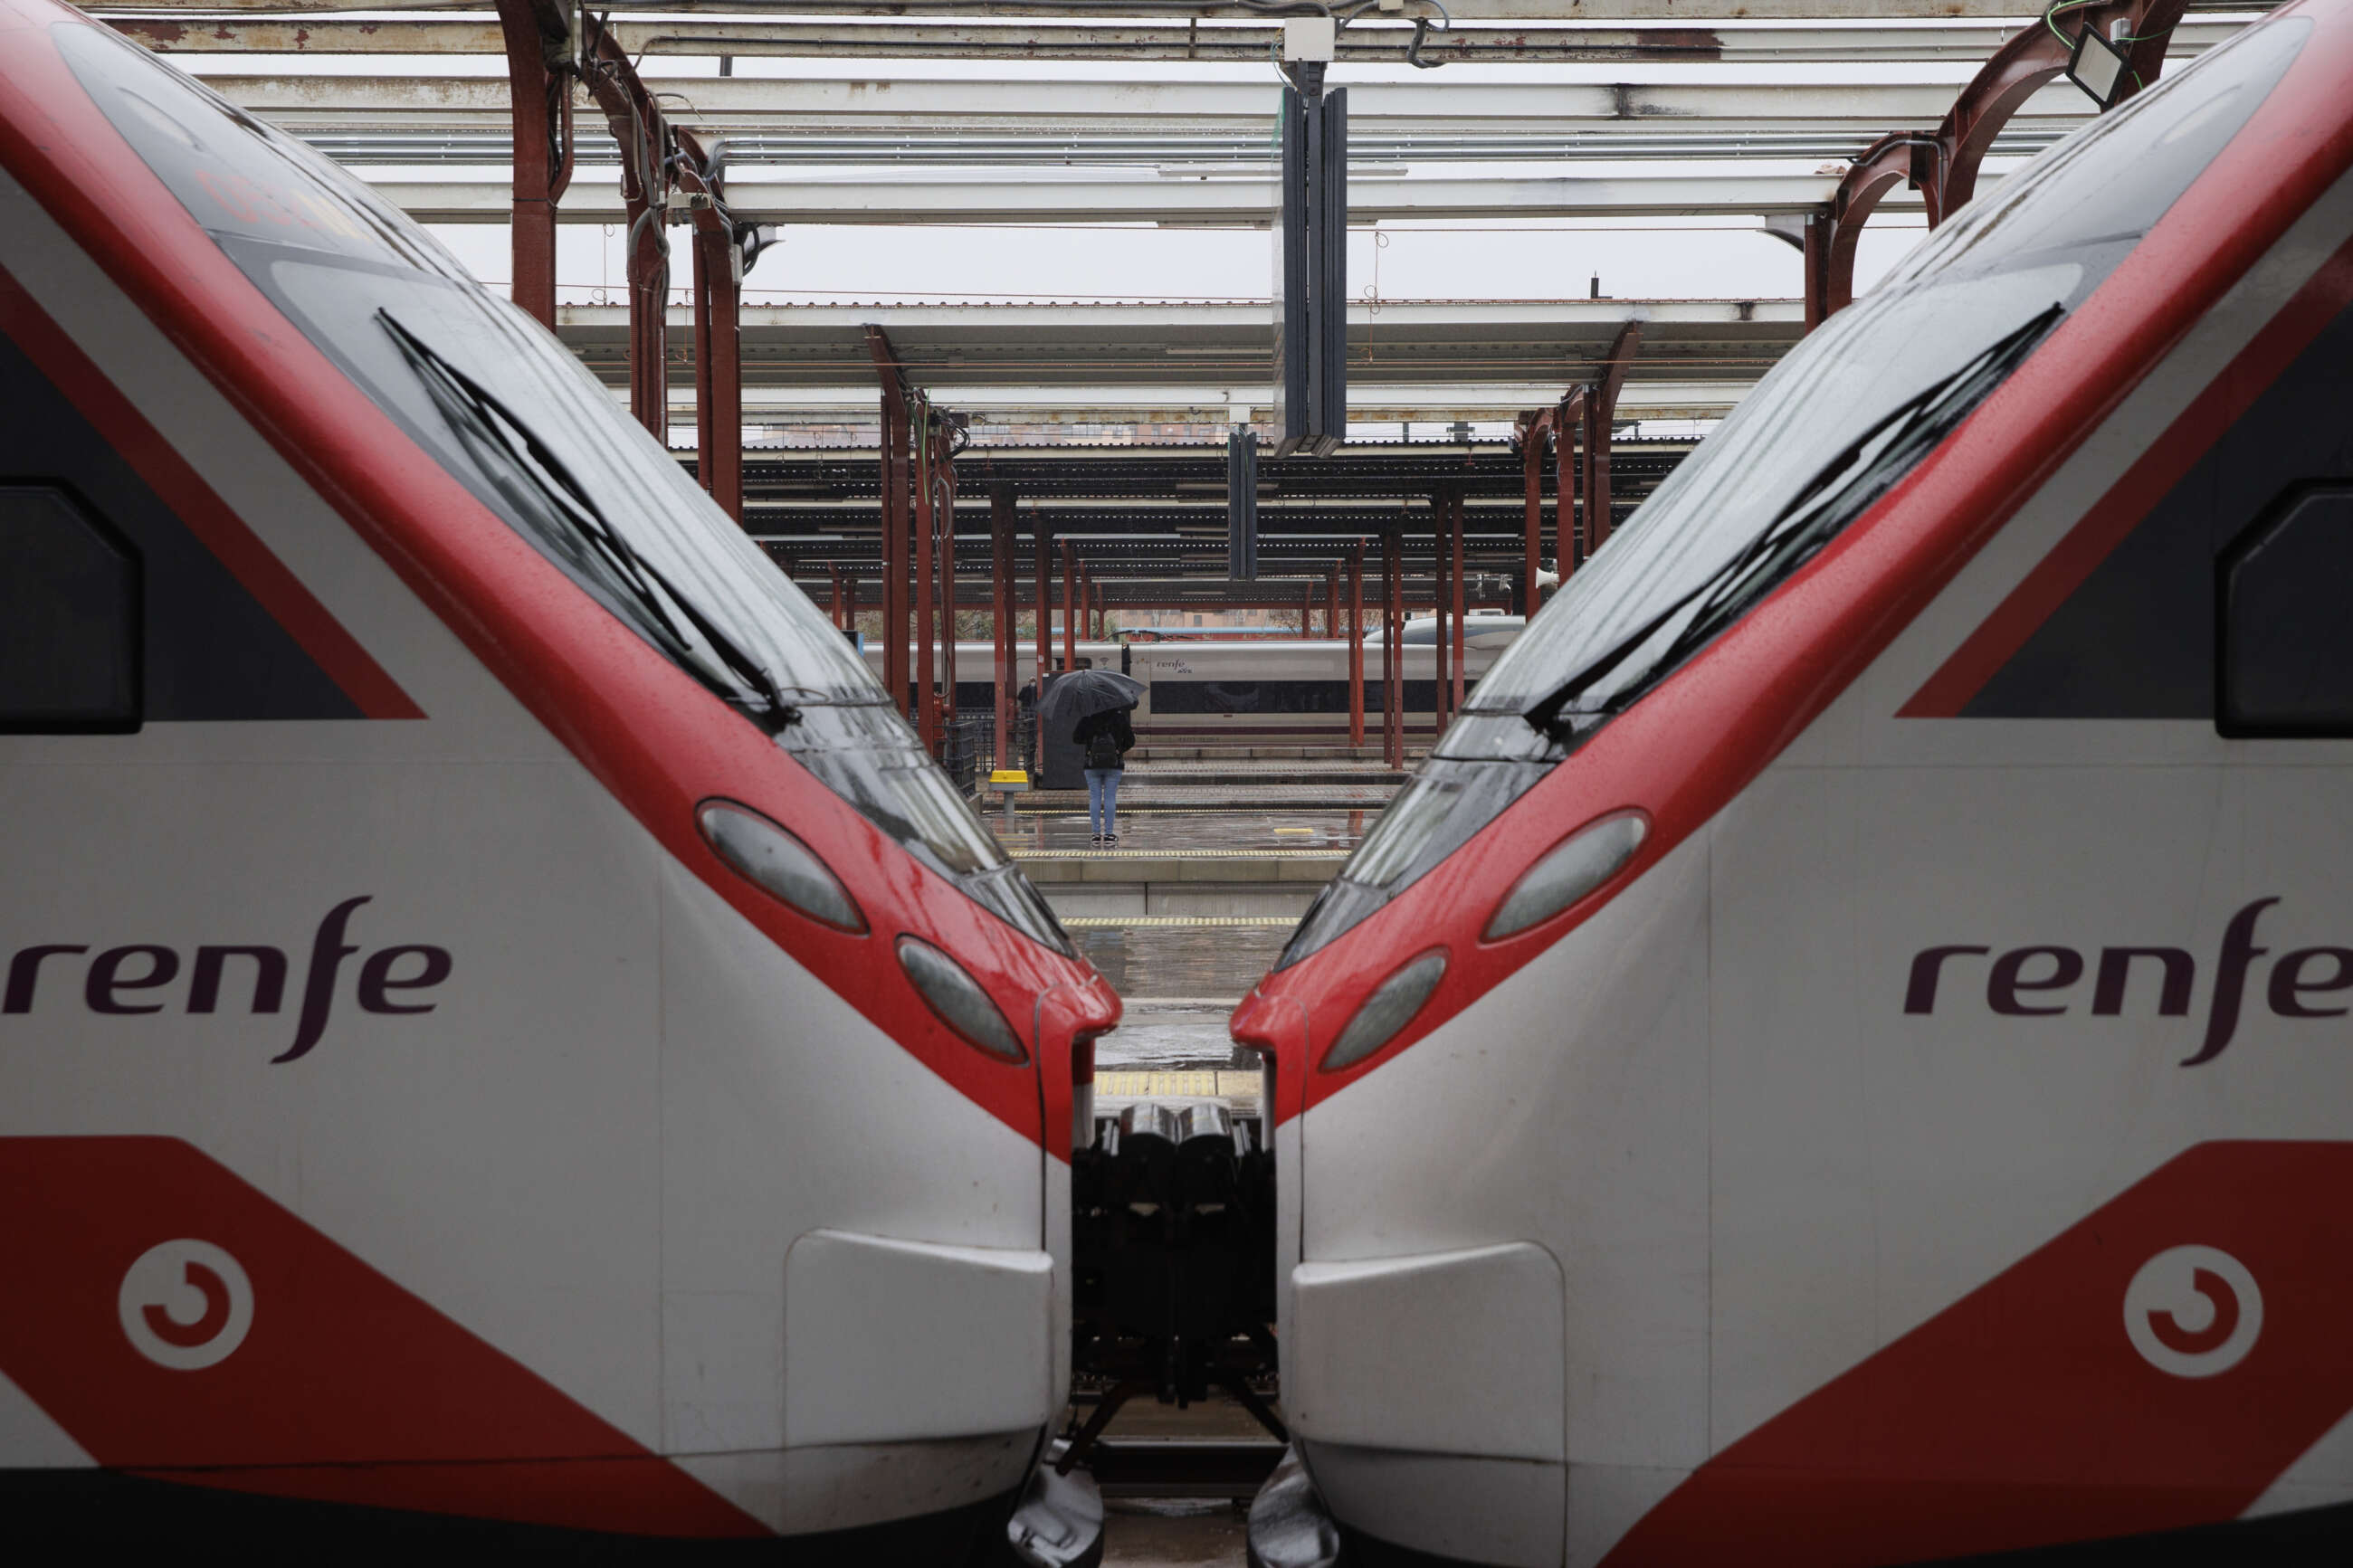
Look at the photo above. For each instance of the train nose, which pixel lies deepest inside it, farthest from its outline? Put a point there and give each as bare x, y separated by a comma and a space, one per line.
1425, 1391
1426, 1395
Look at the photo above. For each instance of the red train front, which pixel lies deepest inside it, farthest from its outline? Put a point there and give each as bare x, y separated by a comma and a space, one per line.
507, 1040
1842, 1057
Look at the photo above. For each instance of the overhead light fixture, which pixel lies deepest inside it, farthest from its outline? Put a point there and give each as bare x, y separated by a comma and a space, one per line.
2098, 66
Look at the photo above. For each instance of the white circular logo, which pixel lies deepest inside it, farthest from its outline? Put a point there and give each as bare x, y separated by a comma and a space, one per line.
2193, 1311
186, 1304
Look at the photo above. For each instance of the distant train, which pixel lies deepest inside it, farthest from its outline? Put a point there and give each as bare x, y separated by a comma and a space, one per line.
1294, 688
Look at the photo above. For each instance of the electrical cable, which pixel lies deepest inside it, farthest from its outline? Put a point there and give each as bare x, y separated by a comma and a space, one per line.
2057, 9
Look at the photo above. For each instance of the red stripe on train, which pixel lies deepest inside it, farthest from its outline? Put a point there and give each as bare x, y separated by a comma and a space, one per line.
319, 1376
2082, 1393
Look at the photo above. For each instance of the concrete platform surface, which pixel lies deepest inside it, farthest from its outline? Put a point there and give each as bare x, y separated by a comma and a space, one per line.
1339, 828
1146, 796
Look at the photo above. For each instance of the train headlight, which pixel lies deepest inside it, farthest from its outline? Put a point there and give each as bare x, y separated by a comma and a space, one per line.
1574, 867
959, 1001
778, 863
1389, 1008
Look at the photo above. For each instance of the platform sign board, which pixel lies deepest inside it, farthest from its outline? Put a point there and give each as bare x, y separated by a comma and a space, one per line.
1313, 342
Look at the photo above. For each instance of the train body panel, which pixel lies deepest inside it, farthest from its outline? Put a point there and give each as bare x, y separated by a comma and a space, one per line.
405, 1108
1939, 1123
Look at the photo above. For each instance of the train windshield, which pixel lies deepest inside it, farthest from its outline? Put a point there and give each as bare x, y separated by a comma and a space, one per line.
1849, 412
500, 405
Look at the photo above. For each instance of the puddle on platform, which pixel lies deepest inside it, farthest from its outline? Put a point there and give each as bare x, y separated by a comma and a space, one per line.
1172, 1041
1217, 964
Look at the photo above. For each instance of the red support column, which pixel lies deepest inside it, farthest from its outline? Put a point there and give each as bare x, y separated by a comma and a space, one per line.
718, 366
833, 571
927, 555
1356, 644
1568, 533
1441, 513
1532, 427
1043, 545
1070, 605
1000, 587
1454, 575
539, 46
1332, 606
717, 291
895, 574
1392, 647
635, 117
945, 473
1819, 229
1597, 499
1600, 409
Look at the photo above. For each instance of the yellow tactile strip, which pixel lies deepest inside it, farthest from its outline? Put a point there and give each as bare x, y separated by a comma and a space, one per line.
1200, 1084
1104, 923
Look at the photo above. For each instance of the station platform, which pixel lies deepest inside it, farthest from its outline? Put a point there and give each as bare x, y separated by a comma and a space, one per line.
1194, 902
1195, 784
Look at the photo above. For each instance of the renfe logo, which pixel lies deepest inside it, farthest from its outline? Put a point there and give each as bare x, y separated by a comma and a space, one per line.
185, 1305
2032, 982
2193, 1311
113, 982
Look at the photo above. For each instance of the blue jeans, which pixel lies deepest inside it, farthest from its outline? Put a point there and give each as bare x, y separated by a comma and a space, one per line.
1102, 800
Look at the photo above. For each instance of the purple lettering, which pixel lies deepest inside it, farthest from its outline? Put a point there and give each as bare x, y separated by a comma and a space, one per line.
2116, 972
269, 977
106, 978
2238, 950
375, 978
24, 970
327, 955
1920, 994
2008, 978
2288, 984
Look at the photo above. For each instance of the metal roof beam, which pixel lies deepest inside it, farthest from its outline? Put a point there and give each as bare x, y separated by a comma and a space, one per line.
722, 105
1362, 43
1368, 404
1210, 203
1099, 11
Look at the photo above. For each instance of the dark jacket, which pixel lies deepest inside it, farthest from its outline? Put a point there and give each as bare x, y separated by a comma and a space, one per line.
1115, 724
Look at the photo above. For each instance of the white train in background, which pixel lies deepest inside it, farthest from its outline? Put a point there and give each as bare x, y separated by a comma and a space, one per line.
1198, 689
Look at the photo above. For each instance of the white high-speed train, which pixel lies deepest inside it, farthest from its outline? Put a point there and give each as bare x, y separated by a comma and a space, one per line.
1294, 688
505, 1041
1845, 1054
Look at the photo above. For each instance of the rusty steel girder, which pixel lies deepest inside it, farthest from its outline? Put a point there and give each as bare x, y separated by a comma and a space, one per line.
539, 44
1943, 164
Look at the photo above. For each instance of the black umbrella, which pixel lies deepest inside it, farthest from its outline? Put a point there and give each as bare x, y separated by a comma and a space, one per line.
1083, 693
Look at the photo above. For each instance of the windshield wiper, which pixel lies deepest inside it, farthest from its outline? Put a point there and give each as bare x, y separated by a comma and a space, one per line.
1834, 497
480, 417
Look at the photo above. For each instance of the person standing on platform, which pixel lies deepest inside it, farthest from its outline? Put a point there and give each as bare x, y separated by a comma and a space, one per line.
1107, 737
